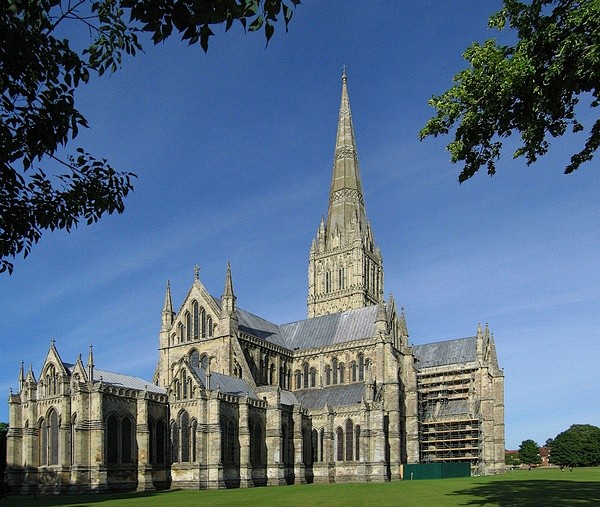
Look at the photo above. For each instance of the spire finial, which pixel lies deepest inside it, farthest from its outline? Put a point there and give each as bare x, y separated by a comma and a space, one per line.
167, 311
196, 272
228, 291
344, 72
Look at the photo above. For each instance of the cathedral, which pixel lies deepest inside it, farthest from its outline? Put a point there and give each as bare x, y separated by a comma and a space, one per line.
239, 401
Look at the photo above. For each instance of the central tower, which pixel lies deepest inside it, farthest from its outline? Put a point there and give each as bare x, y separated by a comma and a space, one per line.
345, 269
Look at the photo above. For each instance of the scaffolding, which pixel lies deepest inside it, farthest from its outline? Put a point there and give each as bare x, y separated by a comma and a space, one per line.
449, 418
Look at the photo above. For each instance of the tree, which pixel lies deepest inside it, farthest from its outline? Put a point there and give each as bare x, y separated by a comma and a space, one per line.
532, 87
529, 452
577, 446
39, 72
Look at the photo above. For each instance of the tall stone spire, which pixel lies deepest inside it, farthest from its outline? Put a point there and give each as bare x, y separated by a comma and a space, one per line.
90, 365
345, 269
21, 377
228, 320
167, 313
346, 204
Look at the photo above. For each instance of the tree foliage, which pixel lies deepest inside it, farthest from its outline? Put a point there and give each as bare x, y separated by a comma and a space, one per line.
39, 73
577, 446
529, 452
531, 88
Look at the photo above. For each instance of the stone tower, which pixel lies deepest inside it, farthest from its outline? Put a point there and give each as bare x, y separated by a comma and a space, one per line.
345, 269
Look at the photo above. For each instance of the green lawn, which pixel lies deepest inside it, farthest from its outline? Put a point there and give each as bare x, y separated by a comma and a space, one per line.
515, 489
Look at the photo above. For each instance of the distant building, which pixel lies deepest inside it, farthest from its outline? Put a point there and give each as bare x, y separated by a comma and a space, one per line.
545, 456
238, 401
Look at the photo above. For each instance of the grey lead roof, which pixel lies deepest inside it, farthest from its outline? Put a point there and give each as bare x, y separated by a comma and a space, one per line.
311, 333
259, 327
461, 350
127, 381
336, 396
226, 384
330, 329
288, 398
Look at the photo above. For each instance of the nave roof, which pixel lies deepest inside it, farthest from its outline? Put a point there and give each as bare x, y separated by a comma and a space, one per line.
122, 380
312, 333
334, 396
458, 351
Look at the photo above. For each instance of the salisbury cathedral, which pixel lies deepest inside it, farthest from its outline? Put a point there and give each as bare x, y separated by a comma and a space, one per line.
239, 401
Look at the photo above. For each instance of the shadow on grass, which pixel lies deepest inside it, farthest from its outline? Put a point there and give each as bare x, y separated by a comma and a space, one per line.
80, 500
517, 493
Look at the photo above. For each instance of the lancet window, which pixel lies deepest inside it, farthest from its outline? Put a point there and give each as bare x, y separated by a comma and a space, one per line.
49, 435
119, 440
339, 438
361, 368
188, 326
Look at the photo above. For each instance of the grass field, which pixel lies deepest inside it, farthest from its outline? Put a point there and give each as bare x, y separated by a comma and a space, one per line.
543, 487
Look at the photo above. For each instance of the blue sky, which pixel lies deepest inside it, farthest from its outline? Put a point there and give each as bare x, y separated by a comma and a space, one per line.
234, 151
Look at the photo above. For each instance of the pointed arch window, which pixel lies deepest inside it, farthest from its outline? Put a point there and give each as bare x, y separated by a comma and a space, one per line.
298, 377
341, 283
196, 316
126, 441
209, 326
195, 358
334, 367
349, 440
353, 371
357, 441
120, 440
184, 385
255, 442
204, 361
339, 437
193, 440
174, 442
305, 375
313, 377
188, 326
203, 321
160, 441
361, 368
180, 333
328, 281
73, 443
321, 444
314, 445
43, 450
231, 441
48, 442
51, 381
286, 444
342, 369
184, 428
327, 375
112, 439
